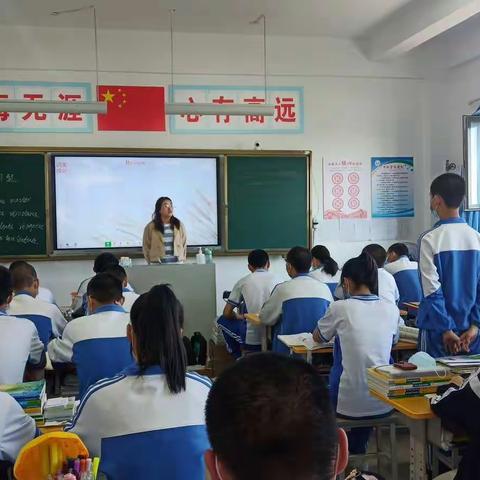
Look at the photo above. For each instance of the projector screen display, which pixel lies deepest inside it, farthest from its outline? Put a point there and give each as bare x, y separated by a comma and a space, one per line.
105, 202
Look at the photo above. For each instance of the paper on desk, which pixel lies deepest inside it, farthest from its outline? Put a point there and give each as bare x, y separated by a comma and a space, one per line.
302, 340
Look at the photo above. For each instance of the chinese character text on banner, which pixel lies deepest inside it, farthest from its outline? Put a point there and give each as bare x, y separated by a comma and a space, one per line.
45, 122
288, 116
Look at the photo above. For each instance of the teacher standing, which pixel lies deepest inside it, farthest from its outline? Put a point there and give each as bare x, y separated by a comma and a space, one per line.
165, 235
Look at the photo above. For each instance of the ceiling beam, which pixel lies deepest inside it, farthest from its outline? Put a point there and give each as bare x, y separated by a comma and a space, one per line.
414, 24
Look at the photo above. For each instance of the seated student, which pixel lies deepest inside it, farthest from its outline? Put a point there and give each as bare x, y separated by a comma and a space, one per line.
16, 428
19, 341
325, 268
269, 417
364, 326
47, 317
97, 344
129, 296
295, 305
253, 289
101, 263
149, 420
44, 293
405, 273
458, 409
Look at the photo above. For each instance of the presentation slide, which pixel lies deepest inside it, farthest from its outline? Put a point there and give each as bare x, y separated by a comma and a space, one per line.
105, 202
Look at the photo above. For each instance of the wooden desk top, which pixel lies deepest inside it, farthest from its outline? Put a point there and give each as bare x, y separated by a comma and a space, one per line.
400, 346
412, 305
253, 318
416, 408
56, 428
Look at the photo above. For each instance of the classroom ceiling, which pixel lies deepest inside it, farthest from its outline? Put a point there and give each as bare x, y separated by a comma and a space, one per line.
337, 18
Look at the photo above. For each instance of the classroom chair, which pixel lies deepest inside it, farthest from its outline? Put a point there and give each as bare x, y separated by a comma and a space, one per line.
299, 315
389, 422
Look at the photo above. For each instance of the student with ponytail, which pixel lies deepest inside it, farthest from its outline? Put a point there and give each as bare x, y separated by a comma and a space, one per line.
364, 327
149, 419
325, 268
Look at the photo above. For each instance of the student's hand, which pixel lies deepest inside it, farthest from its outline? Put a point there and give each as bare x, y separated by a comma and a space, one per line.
452, 342
468, 337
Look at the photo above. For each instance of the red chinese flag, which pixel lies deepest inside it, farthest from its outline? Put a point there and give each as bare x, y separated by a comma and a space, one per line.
132, 108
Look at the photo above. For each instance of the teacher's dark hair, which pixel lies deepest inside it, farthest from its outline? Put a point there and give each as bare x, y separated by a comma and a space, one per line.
157, 219
157, 320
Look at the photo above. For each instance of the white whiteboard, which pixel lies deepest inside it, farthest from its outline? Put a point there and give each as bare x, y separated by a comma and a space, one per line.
106, 201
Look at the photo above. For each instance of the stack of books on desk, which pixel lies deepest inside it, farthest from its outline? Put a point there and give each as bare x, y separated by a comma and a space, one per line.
409, 334
461, 364
31, 396
392, 382
59, 410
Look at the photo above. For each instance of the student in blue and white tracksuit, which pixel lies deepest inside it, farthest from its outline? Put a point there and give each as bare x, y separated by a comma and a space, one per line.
16, 428
19, 341
449, 314
48, 318
364, 327
97, 344
148, 421
129, 296
296, 305
405, 273
248, 296
325, 268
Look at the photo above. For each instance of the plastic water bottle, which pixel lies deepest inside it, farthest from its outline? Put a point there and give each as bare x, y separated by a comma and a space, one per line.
200, 257
208, 255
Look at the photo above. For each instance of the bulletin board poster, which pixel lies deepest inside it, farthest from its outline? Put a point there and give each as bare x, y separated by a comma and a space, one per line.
346, 189
392, 187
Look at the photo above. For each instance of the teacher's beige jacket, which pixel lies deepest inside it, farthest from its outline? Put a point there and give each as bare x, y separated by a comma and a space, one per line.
154, 248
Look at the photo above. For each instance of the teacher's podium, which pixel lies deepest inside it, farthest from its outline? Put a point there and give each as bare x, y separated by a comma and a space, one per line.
194, 285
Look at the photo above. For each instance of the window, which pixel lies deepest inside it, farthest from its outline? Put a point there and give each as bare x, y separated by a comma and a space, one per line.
471, 146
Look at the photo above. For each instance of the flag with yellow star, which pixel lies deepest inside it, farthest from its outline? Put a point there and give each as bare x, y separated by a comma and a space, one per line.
132, 108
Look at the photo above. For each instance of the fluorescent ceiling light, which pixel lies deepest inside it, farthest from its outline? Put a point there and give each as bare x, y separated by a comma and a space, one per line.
215, 109
46, 106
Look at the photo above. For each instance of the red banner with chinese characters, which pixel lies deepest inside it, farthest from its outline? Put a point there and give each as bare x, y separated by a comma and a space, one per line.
132, 108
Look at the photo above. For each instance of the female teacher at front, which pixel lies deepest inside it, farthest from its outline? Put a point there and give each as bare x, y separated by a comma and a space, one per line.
165, 235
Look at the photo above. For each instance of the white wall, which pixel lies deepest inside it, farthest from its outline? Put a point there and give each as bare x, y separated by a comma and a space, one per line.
353, 109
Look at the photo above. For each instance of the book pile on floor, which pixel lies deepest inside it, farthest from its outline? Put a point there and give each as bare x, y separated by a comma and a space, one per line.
392, 382
31, 396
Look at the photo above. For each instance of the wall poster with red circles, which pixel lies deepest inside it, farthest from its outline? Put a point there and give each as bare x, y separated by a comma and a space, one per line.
346, 189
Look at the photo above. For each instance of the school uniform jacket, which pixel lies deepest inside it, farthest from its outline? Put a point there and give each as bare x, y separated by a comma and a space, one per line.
129, 299
405, 273
141, 430
97, 344
332, 281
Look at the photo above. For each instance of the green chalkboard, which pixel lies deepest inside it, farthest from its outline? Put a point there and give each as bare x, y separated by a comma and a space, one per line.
267, 202
22, 205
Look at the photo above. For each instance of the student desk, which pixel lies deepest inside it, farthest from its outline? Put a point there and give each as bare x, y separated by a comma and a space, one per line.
423, 425
55, 428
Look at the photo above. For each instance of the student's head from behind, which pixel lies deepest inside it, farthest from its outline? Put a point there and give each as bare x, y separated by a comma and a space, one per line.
446, 194
360, 276
321, 259
6, 287
103, 289
118, 272
103, 261
270, 417
378, 253
397, 251
155, 333
258, 259
24, 278
299, 261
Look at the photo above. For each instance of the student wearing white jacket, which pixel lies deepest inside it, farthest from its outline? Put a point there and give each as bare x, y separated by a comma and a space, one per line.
97, 344
48, 318
296, 305
19, 341
325, 268
129, 296
149, 421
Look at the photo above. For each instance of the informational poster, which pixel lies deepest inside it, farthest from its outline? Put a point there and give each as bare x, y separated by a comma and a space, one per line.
346, 189
45, 122
287, 101
392, 187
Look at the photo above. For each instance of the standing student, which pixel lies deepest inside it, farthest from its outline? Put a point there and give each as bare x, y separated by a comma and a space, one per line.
269, 417
48, 318
364, 326
449, 314
97, 344
129, 296
325, 268
19, 340
253, 290
296, 305
16, 428
149, 420
405, 273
